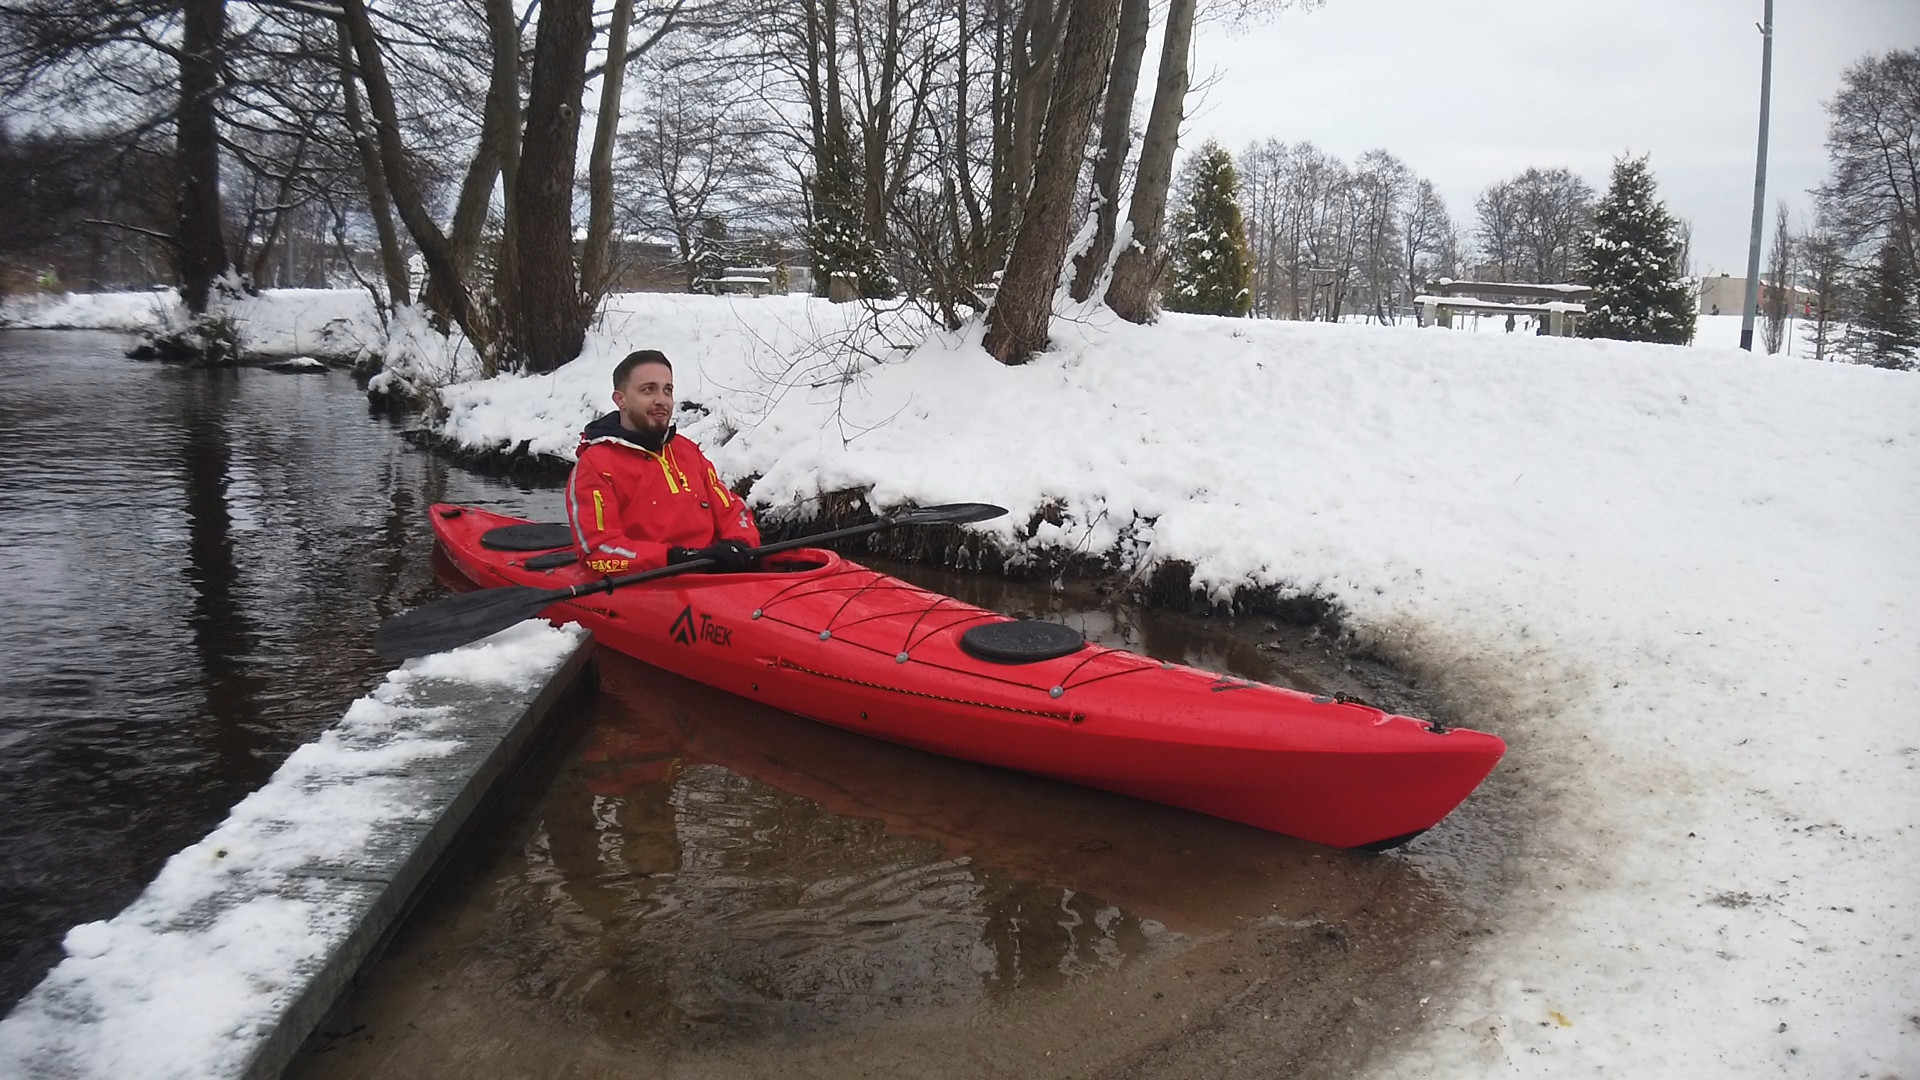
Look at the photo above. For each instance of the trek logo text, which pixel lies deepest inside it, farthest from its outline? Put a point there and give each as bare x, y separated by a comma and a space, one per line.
690, 627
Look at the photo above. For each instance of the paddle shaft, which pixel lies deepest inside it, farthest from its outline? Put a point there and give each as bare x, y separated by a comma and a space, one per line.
456, 620
635, 578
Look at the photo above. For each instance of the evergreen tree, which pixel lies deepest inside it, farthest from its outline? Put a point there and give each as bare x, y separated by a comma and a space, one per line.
711, 253
1887, 332
1212, 268
1632, 259
836, 237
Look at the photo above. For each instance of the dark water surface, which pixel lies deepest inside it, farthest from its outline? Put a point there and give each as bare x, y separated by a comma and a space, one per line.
193, 563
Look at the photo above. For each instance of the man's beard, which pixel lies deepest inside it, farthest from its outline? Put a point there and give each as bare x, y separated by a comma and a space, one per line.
645, 424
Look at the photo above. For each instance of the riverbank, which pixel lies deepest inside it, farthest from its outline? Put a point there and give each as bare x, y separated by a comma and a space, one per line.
333, 325
1677, 580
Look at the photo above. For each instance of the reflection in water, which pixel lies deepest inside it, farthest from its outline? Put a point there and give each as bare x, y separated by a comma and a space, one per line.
659, 895
706, 871
222, 633
195, 562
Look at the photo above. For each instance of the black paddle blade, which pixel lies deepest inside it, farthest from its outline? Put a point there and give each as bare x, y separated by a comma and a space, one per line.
948, 514
458, 620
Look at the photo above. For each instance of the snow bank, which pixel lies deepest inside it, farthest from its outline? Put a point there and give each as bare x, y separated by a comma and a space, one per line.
277, 323
1681, 581
195, 973
734, 359
129, 312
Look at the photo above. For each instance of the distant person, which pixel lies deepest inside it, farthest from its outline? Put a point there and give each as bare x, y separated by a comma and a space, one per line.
1716, 309
1509, 322
642, 496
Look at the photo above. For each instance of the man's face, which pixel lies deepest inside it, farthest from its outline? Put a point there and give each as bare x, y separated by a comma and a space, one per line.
646, 403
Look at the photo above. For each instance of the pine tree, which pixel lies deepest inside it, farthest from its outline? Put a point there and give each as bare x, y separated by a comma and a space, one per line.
1632, 260
837, 239
711, 253
1887, 332
1212, 268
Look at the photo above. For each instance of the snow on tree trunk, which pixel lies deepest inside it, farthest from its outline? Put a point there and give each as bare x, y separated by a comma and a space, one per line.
1017, 323
1137, 270
1116, 139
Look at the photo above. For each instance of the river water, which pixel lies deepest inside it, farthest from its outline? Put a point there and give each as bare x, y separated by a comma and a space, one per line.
681, 882
194, 564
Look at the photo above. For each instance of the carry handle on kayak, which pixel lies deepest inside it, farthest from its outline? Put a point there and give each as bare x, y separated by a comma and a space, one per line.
467, 617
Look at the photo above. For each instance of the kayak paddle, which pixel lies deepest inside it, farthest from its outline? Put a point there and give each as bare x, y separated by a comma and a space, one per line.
466, 617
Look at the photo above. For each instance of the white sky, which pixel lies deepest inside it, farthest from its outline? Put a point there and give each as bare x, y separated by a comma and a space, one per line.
1473, 92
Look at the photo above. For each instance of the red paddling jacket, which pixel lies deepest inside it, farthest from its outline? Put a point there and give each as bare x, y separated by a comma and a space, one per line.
629, 502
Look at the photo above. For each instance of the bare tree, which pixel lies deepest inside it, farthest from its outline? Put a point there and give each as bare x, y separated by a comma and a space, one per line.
1498, 211
1116, 139
1429, 242
1873, 143
161, 63
1017, 324
1778, 285
698, 149
1137, 271
1531, 225
1382, 183
1824, 253
597, 260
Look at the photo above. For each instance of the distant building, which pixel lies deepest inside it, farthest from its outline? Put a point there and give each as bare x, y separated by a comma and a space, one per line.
1723, 294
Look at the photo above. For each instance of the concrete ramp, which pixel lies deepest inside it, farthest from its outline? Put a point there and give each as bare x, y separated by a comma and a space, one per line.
235, 952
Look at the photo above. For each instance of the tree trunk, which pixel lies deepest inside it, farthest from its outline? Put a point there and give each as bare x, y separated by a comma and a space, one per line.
1036, 47
546, 314
596, 263
1116, 139
201, 254
407, 198
494, 159
1017, 324
393, 264
1138, 268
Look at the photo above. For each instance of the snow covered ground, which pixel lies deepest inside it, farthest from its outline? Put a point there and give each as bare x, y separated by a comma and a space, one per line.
1681, 581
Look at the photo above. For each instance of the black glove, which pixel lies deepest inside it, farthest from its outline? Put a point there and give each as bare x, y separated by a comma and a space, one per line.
728, 556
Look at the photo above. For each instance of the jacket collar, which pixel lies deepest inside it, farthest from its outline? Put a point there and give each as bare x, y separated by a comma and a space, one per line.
608, 429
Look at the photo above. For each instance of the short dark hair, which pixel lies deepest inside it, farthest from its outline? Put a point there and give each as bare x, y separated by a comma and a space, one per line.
634, 359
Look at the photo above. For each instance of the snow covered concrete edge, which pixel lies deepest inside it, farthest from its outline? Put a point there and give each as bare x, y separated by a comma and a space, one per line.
225, 964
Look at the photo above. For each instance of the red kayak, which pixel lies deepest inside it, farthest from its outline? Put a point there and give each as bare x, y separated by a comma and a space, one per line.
828, 639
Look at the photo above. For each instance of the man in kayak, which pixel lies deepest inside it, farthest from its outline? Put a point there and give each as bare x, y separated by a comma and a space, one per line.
642, 496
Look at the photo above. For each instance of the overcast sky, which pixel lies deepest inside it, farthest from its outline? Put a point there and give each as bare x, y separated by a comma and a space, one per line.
1474, 91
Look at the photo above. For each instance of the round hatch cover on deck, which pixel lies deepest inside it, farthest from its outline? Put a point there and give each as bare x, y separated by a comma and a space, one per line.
1021, 641
531, 536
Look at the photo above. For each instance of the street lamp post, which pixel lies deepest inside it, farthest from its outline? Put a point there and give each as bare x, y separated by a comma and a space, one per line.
1759, 186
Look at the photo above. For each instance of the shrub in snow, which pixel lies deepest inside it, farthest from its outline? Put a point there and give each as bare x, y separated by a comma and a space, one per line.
1212, 268
211, 338
1632, 259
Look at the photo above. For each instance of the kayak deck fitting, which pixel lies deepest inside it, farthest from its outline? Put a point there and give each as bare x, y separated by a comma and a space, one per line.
826, 638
